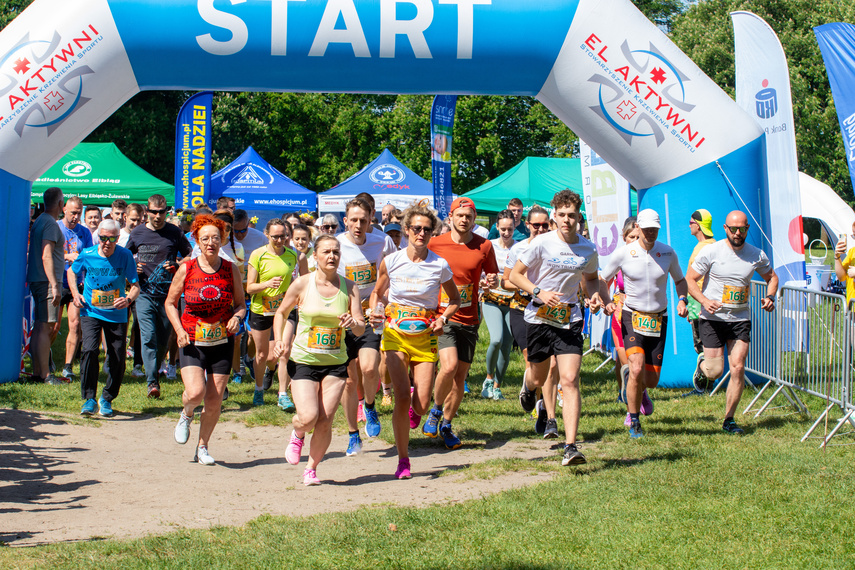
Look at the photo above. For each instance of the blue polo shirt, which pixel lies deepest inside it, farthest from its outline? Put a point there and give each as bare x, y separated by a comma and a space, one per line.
76, 240
105, 282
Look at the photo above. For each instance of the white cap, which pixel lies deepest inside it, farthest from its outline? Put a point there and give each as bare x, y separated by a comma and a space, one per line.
648, 219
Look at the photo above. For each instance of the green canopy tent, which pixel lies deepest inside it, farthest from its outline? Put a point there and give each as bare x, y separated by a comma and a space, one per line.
99, 173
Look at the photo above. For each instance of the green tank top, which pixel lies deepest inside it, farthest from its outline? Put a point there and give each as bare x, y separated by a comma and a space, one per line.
319, 340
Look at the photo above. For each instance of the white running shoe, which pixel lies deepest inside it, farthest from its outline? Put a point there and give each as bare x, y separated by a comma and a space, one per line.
162, 369
202, 456
182, 429
171, 372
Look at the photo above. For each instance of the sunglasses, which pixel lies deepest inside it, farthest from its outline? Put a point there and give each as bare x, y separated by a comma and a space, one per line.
156, 212
738, 229
543, 226
243, 231
277, 236
419, 229
109, 239
329, 227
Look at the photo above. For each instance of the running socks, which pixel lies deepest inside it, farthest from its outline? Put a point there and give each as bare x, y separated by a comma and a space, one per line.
633, 417
368, 406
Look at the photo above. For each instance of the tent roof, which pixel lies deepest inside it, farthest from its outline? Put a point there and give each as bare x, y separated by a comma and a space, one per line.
256, 185
821, 202
99, 173
534, 181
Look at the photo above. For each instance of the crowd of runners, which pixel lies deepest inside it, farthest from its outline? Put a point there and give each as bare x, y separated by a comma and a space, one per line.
366, 311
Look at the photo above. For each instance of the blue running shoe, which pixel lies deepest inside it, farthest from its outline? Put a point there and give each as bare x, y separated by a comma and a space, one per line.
105, 408
258, 397
451, 440
354, 446
286, 403
372, 423
431, 427
237, 378
465, 387
88, 407
635, 430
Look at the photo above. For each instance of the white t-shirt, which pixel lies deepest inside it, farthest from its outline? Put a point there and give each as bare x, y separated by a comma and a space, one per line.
360, 263
645, 274
514, 254
483, 232
124, 236
554, 265
728, 279
416, 284
501, 255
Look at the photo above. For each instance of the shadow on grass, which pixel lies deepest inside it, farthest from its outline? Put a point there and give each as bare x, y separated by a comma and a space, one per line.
625, 462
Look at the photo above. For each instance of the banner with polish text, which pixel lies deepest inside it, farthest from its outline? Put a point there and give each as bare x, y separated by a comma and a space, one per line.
193, 152
441, 129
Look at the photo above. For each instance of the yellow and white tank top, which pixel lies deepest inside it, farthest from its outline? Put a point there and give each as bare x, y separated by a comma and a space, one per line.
320, 340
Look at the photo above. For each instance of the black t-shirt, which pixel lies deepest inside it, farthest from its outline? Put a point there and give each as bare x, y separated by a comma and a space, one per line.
152, 249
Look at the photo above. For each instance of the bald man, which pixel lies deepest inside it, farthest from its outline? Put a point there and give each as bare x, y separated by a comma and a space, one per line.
727, 267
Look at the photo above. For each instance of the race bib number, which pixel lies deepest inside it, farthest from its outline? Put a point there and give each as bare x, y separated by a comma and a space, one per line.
210, 334
324, 340
502, 292
465, 292
396, 312
559, 315
269, 305
364, 275
647, 324
104, 299
734, 297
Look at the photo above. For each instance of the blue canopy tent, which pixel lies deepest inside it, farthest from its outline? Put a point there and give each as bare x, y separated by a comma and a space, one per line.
260, 189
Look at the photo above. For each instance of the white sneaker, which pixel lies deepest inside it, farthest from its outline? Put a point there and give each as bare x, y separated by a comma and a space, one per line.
137, 372
171, 372
202, 456
182, 429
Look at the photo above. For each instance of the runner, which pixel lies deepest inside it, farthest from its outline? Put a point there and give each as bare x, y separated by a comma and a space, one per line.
645, 264
93, 217
302, 242
361, 254
329, 305
103, 310
271, 268
727, 267
213, 309
551, 269
408, 284
495, 306
630, 234
700, 225
469, 256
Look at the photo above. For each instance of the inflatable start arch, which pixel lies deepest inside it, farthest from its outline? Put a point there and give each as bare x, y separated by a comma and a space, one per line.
599, 65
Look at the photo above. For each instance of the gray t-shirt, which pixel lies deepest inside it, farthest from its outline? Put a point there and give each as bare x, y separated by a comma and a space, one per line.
45, 228
728, 279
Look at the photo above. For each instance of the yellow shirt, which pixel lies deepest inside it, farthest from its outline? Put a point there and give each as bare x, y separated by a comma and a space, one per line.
850, 282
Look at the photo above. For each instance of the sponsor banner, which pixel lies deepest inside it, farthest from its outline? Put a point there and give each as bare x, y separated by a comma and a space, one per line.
441, 134
763, 90
400, 201
606, 201
837, 44
193, 151
62, 72
637, 100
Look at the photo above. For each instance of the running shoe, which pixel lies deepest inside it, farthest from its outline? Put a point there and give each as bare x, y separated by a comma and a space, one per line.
699, 380
354, 445
258, 397
403, 470
487, 389
129, 352
249, 365
105, 408
465, 387
372, 423
731, 427
387, 400
431, 427
154, 391
527, 398
415, 419
551, 431
572, 456
225, 393
635, 430
162, 369
267, 381
624, 378
628, 420
310, 477
360, 413
171, 372
237, 378
202, 456
182, 428
51, 364
285, 403
497, 393
57, 380
560, 397
137, 372
294, 448
540, 423
451, 441
67, 373
88, 407
646, 404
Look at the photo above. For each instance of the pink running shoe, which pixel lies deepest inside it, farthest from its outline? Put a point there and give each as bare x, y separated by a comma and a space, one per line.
360, 414
628, 420
646, 404
295, 446
310, 477
403, 470
415, 419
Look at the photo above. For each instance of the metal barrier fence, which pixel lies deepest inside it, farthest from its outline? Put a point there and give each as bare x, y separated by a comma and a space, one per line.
804, 347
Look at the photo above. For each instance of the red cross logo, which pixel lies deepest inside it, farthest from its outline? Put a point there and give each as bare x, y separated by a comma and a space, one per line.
626, 110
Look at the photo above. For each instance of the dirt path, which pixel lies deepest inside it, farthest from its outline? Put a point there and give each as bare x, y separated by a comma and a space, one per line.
127, 478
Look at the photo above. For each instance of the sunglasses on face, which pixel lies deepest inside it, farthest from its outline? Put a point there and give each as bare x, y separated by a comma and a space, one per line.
156, 212
329, 227
738, 229
109, 239
543, 226
243, 231
419, 229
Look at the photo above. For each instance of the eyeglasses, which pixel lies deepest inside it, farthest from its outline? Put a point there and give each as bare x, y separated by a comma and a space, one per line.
419, 229
210, 239
109, 239
738, 229
543, 226
277, 236
156, 212
329, 227
243, 231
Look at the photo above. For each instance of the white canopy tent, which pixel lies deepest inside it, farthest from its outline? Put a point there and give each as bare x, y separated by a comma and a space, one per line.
821, 202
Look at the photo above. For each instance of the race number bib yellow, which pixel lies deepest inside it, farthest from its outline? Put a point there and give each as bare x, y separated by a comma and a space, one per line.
210, 334
324, 340
104, 299
465, 292
363, 275
395, 311
647, 324
269, 305
559, 315
734, 297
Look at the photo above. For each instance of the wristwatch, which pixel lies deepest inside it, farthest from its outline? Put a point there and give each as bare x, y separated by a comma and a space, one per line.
684, 299
771, 298
535, 292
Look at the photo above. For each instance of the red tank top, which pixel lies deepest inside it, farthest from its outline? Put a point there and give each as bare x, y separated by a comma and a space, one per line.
208, 297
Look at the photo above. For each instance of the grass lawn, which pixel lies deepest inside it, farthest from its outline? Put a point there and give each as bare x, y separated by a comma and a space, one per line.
685, 496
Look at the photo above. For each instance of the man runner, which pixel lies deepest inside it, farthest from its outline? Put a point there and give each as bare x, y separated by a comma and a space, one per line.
700, 226
727, 267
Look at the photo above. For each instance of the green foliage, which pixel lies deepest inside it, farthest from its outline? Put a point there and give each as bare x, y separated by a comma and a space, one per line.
9, 10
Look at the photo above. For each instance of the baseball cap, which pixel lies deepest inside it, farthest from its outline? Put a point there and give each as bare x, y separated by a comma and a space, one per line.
463, 202
391, 227
648, 219
704, 219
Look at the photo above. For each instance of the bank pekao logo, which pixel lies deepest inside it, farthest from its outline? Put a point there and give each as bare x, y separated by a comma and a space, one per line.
76, 168
387, 174
766, 101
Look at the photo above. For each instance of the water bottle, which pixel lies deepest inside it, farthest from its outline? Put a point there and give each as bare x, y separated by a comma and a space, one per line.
378, 310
